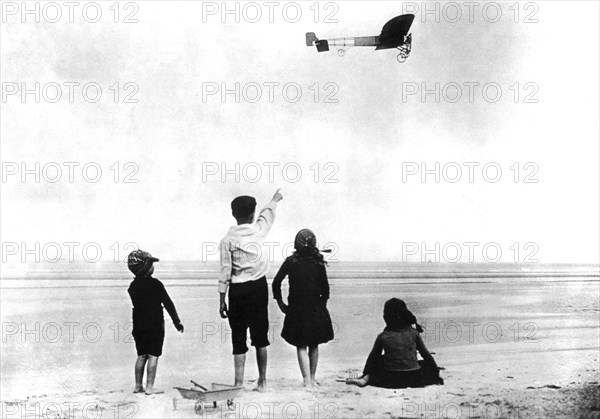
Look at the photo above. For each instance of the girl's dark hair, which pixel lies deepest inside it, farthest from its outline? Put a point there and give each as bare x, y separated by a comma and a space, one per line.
305, 244
397, 315
310, 254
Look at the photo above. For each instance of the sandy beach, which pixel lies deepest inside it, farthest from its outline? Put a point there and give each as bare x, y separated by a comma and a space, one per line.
513, 347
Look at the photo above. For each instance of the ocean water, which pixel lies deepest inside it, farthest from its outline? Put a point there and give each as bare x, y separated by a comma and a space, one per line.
196, 273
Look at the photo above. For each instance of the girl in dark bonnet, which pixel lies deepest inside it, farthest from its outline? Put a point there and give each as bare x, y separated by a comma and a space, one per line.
398, 367
307, 322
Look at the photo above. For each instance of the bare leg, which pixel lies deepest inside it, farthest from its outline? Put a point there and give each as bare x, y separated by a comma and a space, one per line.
261, 360
304, 364
140, 363
313, 353
239, 362
374, 362
151, 375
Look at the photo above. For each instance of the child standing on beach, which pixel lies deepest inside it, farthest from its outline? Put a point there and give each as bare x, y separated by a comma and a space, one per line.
148, 295
398, 366
244, 265
307, 322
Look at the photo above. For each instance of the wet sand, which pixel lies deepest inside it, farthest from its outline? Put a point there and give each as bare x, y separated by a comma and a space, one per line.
515, 348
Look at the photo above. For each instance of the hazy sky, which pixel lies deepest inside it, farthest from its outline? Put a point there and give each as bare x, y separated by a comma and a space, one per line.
365, 141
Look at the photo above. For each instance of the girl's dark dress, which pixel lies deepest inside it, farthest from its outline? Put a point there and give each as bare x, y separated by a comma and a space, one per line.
397, 366
307, 321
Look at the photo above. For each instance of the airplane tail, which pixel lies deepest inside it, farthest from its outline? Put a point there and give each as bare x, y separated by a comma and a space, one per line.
322, 46
310, 38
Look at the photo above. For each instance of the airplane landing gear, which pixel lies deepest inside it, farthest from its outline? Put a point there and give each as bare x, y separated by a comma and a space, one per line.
405, 49
341, 52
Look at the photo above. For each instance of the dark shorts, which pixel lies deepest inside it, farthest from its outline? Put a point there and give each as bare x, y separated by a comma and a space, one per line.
248, 308
149, 341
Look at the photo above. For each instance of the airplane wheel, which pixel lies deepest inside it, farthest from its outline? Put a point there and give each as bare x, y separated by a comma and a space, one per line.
199, 408
341, 52
401, 58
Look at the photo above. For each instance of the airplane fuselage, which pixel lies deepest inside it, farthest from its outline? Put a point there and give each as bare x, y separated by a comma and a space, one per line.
356, 41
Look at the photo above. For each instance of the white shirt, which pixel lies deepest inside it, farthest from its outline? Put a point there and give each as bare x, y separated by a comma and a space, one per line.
243, 256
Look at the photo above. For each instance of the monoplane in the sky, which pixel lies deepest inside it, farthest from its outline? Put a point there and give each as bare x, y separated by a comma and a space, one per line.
394, 34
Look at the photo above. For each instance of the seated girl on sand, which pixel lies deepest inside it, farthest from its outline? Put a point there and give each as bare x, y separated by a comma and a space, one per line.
398, 366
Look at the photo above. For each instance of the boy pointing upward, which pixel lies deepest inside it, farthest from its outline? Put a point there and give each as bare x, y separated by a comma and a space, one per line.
243, 269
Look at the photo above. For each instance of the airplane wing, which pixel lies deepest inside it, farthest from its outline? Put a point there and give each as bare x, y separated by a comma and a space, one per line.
394, 31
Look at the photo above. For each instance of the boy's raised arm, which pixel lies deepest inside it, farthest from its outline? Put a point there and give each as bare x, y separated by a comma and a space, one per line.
266, 217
